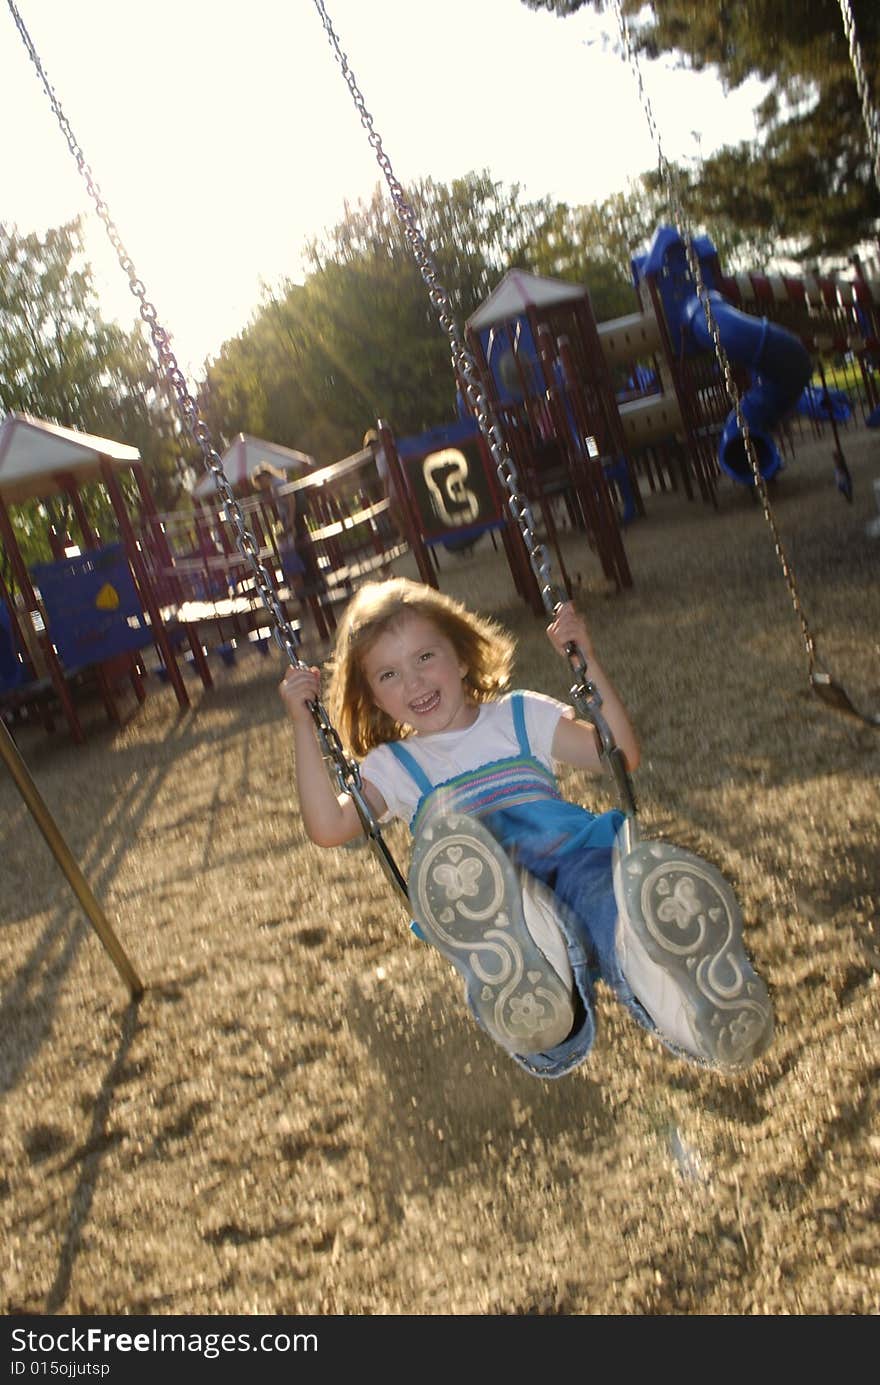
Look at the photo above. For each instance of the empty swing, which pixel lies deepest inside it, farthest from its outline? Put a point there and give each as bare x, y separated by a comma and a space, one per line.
832, 693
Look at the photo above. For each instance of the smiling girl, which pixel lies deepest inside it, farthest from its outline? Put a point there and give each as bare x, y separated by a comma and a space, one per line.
509, 881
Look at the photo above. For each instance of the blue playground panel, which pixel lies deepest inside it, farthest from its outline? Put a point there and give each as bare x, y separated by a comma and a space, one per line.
446, 473
13, 670
502, 360
94, 612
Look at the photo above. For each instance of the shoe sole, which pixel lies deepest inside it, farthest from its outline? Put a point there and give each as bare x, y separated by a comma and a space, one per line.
467, 899
687, 919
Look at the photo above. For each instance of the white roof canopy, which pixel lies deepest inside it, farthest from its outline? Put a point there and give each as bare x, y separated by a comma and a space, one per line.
517, 291
243, 456
37, 457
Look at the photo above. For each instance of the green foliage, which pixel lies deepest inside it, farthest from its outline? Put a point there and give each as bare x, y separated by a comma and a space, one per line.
360, 339
593, 245
807, 187
60, 362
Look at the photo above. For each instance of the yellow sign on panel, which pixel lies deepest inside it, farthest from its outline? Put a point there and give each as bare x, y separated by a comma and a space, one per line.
107, 598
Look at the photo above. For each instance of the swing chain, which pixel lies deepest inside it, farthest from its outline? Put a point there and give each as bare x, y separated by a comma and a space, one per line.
346, 770
869, 114
462, 359
672, 183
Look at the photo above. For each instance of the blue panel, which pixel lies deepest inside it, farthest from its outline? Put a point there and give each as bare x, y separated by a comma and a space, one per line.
446, 474
13, 673
446, 435
93, 609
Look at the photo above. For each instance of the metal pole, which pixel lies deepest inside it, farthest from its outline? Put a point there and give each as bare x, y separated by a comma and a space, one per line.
49, 828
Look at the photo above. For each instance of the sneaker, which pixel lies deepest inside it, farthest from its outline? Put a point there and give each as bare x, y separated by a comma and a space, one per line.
540, 911
468, 901
680, 947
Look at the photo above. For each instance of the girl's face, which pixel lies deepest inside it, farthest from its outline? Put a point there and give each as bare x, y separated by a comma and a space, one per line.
415, 677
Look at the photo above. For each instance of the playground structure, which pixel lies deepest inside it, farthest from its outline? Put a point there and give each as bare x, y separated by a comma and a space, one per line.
778, 332
543, 368
776, 359
589, 411
172, 583
201, 578
81, 622
344, 534
243, 456
86, 620
448, 496
837, 320
348, 527
641, 395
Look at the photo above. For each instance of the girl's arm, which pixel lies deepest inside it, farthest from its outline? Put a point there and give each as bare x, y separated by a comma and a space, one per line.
330, 819
577, 742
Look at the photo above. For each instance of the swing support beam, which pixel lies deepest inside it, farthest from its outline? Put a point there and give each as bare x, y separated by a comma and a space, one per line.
63, 855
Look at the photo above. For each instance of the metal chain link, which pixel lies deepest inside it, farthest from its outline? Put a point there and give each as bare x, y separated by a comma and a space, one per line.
672, 183
346, 770
462, 359
869, 112
585, 694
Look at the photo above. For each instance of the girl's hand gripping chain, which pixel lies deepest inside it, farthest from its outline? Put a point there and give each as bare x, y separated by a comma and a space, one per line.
329, 818
299, 687
568, 628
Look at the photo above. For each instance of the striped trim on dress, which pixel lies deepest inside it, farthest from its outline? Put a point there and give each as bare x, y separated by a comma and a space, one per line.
507, 784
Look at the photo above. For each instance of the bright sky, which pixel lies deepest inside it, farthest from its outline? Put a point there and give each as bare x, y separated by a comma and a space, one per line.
222, 134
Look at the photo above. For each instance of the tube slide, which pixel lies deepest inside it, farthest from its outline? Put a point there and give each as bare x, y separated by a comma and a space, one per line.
781, 369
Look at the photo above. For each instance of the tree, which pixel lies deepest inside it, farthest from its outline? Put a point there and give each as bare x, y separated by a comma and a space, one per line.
360, 340
809, 181
61, 362
593, 245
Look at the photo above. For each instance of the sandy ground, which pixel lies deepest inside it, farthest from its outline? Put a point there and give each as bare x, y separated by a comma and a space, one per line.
300, 1117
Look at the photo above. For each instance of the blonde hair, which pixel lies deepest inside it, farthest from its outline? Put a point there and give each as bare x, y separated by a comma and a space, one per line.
483, 647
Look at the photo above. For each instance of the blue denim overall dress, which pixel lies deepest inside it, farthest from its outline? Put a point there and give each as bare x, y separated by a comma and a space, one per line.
563, 845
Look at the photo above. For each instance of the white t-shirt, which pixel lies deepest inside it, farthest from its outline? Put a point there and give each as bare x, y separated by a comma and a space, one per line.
448, 753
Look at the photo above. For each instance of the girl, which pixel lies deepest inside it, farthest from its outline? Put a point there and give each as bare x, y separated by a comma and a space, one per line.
509, 881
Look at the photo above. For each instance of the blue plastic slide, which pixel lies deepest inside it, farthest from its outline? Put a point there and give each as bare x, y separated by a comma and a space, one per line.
780, 366
824, 404
779, 362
